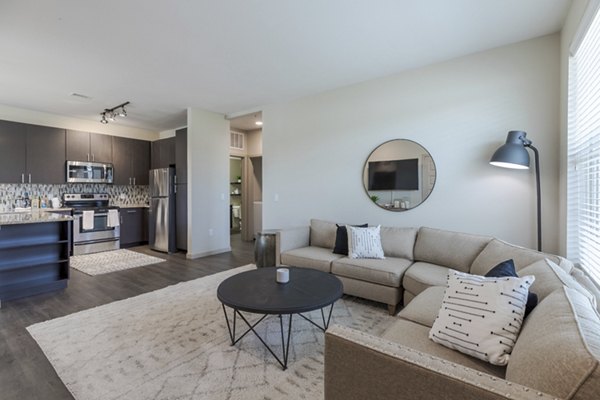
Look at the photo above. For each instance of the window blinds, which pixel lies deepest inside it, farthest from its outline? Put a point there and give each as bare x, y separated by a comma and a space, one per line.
583, 153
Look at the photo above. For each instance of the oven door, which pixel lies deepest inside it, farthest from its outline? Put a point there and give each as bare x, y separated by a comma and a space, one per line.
100, 231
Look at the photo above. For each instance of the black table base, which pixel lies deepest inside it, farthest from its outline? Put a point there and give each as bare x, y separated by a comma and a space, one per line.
285, 342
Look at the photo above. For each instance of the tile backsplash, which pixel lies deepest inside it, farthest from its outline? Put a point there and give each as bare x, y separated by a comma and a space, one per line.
119, 195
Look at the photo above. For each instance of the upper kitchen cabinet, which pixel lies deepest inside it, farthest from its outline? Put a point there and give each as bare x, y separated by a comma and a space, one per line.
181, 155
131, 160
45, 154
86, 146
163, 153
31, 153
13, 150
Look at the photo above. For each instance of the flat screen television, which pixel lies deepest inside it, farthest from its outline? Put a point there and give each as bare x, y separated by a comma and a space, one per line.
394, 175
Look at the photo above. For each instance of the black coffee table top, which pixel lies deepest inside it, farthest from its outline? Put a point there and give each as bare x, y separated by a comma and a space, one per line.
257, 291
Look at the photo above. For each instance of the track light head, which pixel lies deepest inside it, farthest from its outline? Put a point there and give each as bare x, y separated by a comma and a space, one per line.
112, 113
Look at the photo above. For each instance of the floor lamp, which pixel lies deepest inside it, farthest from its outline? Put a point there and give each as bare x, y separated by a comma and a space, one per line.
513, 154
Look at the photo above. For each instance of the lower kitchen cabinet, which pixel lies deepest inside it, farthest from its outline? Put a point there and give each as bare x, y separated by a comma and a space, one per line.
34, 258
181, 216
134, 226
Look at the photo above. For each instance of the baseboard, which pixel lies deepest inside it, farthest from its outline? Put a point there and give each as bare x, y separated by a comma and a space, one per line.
207, 253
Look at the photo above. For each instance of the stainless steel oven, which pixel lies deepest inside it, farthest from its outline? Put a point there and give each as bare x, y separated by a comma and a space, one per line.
99, 234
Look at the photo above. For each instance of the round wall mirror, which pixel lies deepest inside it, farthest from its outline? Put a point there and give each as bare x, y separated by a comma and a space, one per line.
399, 175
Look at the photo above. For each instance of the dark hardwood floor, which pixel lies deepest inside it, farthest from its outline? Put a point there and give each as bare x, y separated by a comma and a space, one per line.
25, 373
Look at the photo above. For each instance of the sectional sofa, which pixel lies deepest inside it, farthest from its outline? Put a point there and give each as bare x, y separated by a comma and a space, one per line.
556, 355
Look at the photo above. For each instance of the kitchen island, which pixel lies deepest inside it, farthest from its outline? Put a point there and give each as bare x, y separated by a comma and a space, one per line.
34, 253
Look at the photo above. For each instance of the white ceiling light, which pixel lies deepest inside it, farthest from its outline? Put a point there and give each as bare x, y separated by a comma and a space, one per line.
257, 121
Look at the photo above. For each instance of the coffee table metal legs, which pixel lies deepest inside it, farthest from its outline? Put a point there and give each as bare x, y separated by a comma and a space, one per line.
285, 342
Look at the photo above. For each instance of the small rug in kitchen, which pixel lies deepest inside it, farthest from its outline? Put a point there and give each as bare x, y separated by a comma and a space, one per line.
110, 261
173, 343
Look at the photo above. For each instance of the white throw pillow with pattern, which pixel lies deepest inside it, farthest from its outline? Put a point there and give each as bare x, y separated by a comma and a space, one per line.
482, 316
364, 242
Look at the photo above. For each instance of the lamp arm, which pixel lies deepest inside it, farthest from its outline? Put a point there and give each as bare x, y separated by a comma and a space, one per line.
538, 189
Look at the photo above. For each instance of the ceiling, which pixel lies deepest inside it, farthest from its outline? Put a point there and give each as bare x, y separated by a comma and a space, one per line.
246, 122
229, 56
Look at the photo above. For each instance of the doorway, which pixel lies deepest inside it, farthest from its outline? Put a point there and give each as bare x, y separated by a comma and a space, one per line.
235, 195
245, 177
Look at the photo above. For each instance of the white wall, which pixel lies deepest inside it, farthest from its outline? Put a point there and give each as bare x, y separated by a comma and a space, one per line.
60, 121
314, 148
208, 183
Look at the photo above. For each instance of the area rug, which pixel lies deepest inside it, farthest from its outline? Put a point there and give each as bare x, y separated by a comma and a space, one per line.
173, 344
110, 261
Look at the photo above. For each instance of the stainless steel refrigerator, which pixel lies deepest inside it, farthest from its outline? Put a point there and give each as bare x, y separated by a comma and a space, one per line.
161, 221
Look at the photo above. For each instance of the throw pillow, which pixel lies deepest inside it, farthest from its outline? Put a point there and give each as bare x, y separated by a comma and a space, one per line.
507, 268
481, 316
341, 239
364, 242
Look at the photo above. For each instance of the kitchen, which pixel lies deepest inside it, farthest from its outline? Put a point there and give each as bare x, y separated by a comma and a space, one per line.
43, 167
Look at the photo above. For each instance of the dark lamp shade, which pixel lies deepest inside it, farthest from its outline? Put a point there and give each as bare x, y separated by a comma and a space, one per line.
513, 153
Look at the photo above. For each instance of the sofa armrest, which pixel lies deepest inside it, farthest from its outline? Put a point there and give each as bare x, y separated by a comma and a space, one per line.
293, 238
363, 366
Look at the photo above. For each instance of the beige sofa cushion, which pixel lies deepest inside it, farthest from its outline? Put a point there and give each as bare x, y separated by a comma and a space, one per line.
546, 280
422, 275
558, 349
310, 257
415, 336
497, 251
398, 242
388, 271
552, 277
450, 249
587, 283
322, 233
424, 308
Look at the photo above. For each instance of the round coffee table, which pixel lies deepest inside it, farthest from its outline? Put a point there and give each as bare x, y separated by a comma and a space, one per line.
258, 292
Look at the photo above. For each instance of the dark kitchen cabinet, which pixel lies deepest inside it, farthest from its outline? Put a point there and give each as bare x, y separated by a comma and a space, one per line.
13, 151
181, 155
131, 160
163, 153
181, 215
133, 226
31, 153
140, 161
86, 146
34, 258
45, 154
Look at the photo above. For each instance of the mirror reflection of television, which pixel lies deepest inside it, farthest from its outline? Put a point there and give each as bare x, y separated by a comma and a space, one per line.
394, 175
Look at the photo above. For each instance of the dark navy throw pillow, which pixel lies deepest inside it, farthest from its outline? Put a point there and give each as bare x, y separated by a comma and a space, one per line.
507, 268
341, 239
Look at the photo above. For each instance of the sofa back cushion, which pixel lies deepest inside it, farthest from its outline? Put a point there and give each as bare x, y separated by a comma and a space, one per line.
322, 233
549, 277
497, 251
558, 350
398, 242
449, 249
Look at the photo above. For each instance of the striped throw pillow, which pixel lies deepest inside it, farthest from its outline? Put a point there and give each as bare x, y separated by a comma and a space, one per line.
482, 316
364, 242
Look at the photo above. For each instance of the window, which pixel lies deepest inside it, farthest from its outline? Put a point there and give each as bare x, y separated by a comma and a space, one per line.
583, 152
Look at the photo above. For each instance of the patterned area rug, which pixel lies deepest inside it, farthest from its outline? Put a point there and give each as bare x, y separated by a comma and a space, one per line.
173, 344
110, 261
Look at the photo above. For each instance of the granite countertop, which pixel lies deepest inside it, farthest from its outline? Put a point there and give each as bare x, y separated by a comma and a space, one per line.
34, 217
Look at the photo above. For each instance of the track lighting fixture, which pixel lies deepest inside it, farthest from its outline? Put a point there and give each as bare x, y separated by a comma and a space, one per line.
109, 114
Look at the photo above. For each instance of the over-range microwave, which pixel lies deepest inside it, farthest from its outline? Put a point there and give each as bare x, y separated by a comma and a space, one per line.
89, 172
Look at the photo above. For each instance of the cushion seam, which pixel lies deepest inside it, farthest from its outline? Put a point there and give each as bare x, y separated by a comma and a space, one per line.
585, 345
